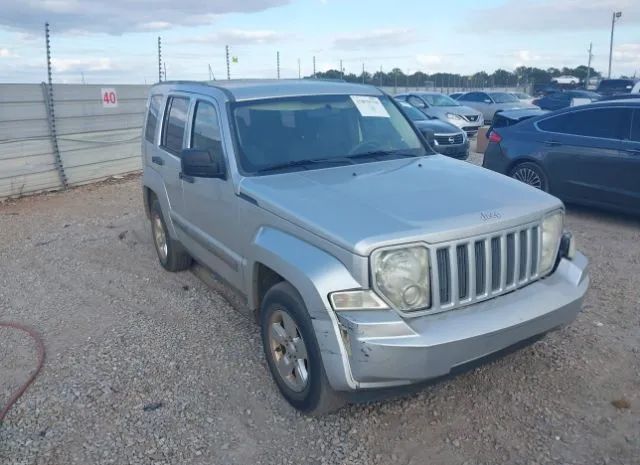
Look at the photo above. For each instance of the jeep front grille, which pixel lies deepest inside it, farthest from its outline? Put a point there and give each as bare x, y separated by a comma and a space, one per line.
480, 268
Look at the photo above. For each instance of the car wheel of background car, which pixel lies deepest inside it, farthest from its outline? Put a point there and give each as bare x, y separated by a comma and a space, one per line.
532, 174
171, 254
292, 352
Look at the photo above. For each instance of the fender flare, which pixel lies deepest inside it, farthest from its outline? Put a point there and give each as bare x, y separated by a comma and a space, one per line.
152, 180
315, 274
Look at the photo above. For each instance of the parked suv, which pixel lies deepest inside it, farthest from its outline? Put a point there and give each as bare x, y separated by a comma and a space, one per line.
369, 260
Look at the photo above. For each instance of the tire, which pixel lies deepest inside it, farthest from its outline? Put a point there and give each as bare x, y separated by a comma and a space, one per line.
531, 174
171, 254
313, 396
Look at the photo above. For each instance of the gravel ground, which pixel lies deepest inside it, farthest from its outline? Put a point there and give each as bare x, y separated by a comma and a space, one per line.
149, 367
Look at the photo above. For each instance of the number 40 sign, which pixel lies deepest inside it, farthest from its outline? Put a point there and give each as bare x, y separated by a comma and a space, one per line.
109, 98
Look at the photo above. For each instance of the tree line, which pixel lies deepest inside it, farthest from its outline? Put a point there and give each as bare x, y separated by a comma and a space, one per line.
521, 76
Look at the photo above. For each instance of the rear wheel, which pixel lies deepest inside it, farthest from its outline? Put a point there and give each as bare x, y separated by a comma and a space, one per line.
292, 352
171, 254
531, 174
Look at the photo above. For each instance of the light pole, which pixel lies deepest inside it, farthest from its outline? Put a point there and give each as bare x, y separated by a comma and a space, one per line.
616, 15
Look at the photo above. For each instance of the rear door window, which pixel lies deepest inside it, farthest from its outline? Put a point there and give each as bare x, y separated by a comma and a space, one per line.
152, 117
175, 122
607, 123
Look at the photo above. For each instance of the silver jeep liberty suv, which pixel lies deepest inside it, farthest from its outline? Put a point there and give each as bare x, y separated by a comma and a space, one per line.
369, 260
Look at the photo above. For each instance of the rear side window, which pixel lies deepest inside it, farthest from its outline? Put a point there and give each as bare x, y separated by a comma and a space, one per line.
205, 134
152, 117
175, 121
608, 123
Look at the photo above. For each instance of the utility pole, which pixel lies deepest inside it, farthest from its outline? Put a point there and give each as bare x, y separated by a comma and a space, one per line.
616, 15
314, 67
589, 65
363, 73
395, 81
341, 70
159, 59
380, 75
164, 66
278, 63
299, 70
226, 49
212, 76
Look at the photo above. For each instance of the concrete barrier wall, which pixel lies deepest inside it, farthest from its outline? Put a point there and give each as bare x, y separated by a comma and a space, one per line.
94, 141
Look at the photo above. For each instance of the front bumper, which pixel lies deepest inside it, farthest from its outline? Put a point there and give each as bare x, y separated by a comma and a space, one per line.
470, 127
386, 350
459, 151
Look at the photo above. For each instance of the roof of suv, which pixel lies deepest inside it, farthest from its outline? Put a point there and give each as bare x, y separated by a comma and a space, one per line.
251, 89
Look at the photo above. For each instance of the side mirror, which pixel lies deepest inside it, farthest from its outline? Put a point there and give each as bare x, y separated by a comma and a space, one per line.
487, 100
198, 163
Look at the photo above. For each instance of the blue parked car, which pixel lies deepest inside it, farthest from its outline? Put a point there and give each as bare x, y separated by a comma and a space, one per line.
558, 100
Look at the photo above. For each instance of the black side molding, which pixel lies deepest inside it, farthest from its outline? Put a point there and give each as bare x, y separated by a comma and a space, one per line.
248, 198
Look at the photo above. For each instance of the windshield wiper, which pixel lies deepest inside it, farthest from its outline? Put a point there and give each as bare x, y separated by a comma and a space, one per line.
375, 153
304, 163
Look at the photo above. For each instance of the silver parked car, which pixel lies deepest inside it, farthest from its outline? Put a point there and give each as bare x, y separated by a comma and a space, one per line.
445, 108
369, 260
489, 102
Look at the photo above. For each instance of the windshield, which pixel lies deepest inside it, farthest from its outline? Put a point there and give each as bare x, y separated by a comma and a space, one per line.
413, 113
522, 96
439, 100
503, 97
311, 132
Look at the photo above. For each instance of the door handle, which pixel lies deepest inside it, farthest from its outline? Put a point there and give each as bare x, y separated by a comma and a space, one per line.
186, 178
157, 160
551, 143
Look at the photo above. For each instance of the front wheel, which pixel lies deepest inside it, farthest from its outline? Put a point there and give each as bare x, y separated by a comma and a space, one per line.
292, 352
531, 174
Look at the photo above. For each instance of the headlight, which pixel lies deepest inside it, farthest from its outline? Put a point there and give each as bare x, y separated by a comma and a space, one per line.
551, 233
453, 116
401, 276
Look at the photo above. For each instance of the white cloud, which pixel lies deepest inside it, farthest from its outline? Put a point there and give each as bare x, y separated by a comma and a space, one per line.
119, 16
6, 53
556, 15
237, 37
77, 65
375, 39
429, 59
627, 55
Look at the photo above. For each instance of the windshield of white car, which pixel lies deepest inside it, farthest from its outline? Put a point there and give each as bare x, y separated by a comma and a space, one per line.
320, 131
503, 97
439, 100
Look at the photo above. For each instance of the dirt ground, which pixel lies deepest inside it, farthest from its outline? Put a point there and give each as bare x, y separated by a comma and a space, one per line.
149, 367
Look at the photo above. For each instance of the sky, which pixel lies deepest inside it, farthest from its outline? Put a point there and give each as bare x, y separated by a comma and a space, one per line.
115, 41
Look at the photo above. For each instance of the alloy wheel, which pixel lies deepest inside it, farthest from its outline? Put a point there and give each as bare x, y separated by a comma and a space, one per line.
528, 176
160, 237
288, 351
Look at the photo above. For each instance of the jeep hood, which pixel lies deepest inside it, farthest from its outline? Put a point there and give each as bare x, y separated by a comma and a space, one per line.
432, 199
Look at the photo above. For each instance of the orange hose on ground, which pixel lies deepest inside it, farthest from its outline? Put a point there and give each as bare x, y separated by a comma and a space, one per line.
41, 355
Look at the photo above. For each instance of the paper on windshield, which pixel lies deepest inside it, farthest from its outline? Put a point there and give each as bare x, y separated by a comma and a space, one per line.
370, 106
